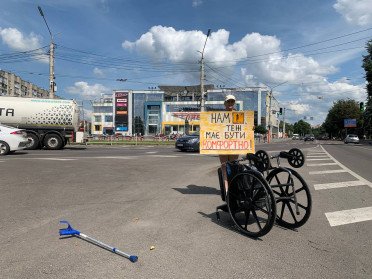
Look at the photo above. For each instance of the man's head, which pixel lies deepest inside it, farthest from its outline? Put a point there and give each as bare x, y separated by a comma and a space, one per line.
229, 102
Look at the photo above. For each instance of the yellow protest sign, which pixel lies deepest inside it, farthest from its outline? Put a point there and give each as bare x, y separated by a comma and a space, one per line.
226, 132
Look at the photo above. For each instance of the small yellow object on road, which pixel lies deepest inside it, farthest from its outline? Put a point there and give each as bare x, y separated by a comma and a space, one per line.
152, 247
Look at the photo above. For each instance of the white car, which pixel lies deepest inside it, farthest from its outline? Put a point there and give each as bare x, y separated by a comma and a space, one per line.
12, 139
351, 139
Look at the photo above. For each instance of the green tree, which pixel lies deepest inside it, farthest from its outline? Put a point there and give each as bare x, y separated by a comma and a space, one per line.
288, 128
301, 127
367, 65
319, 131
260, 129
342, 109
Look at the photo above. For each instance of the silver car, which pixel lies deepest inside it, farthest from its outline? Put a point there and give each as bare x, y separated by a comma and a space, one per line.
351, 139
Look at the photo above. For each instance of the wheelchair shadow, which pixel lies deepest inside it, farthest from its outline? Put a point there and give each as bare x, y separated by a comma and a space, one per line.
198, 190
226, 222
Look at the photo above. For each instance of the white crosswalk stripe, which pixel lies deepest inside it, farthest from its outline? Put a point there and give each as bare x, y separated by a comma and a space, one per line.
345, 217
320, 159
334, 185
322, 164
327, 171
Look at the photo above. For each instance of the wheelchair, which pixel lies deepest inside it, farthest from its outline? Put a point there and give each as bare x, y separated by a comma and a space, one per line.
260, 195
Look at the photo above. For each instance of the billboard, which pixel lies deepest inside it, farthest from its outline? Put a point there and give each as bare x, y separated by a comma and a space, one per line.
350, 123
226, 132
121, 111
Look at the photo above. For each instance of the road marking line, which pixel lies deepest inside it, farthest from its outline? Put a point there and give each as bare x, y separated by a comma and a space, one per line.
370, 149
327, 171
323, 164
319, 159
164, 156
357, 176
344, 217
316, 153
151, 152
322, 156
55, 159
325, 186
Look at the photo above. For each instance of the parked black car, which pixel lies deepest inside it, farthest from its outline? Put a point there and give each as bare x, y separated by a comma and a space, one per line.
188, 142
309, 137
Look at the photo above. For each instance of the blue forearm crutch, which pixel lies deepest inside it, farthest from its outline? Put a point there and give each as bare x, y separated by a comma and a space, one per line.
69, 231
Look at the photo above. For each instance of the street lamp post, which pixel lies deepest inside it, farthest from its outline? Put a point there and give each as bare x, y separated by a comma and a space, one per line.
270, 97
202, 100
51, 58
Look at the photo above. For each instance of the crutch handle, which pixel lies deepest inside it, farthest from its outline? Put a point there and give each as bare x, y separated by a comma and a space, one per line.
69, 230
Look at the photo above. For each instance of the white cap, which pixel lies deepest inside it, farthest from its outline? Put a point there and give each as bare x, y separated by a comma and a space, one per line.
230, 97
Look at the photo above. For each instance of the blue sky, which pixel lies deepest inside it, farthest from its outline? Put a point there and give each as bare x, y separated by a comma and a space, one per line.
314, 47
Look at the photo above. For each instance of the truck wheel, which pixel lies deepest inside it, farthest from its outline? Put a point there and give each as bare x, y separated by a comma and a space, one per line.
4, 148
53, 141
33, 141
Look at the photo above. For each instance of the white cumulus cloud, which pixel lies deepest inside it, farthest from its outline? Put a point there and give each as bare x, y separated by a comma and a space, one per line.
258, 56
357, 12
86, 91
254, 60
16, 40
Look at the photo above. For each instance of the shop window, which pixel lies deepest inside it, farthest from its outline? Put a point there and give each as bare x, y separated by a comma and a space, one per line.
97, 127
108, 118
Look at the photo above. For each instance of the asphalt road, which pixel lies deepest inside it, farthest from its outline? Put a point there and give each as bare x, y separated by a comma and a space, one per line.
137, 197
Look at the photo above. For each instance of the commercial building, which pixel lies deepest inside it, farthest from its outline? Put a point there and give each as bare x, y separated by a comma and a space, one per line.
13, 85
175, 109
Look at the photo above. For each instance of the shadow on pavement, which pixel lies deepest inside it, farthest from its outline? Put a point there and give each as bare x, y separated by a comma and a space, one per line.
198, 190
225, 222
75, 148
16, 153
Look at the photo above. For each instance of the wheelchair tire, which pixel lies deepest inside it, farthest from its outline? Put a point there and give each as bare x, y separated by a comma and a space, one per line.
222, 184
251, 204
279, 180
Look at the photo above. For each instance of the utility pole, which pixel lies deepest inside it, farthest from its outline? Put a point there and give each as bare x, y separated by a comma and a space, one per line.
283, 122
270, 128
202, 75
51, 58
270, 97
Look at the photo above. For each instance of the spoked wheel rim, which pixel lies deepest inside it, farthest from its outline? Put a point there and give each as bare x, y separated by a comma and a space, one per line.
286, 215
265, 160
251, 205
298, 158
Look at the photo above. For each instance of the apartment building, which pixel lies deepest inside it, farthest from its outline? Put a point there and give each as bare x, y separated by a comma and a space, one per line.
13, 85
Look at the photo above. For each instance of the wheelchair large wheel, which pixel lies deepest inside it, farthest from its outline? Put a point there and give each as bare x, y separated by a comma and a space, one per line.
222, 184
281, 182
251, 204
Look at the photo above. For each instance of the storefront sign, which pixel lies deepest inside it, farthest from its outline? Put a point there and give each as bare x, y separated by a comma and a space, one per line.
192, 115
121, 111
226, 132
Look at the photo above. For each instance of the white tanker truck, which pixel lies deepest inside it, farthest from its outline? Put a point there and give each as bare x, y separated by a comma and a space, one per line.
49, 123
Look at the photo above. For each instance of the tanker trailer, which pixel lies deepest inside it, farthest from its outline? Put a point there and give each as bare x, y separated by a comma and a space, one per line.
49, 123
